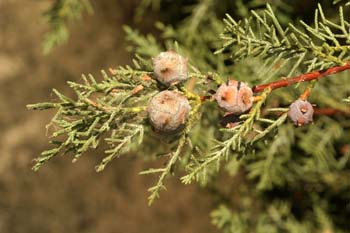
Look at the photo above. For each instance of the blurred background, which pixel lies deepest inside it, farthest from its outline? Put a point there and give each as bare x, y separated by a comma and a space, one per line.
66, 197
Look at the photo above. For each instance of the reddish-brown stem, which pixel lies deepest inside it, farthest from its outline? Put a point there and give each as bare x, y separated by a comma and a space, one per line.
324, 111
329, 111
306, 94
301, 78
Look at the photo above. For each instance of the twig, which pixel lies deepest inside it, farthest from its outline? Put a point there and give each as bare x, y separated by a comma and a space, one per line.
305, 95
317, 111
302, 78
330, 111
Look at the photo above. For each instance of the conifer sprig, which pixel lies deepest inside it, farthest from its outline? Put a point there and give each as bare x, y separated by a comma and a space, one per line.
60, 13
175, 156
113, 110
274, 217
121, 141
313, 47
347, 3
222, 149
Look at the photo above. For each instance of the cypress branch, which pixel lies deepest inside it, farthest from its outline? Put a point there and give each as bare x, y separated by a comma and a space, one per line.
266, 153
302, 78
58, 16
222, 149
101, 107
262, 35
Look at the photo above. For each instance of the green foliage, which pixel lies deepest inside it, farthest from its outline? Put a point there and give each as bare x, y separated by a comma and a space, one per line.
282, 8
109, 110
144, 5
60, 13
235, 142
143, 45
121, 141
310, 47
176, 154
285, 177
268, 165
276, 217
337, 1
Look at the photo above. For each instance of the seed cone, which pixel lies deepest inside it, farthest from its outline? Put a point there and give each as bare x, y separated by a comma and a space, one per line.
300, 112
168, 111
234, 97
170, 68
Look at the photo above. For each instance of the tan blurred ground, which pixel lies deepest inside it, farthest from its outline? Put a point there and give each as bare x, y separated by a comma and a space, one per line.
66, 197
